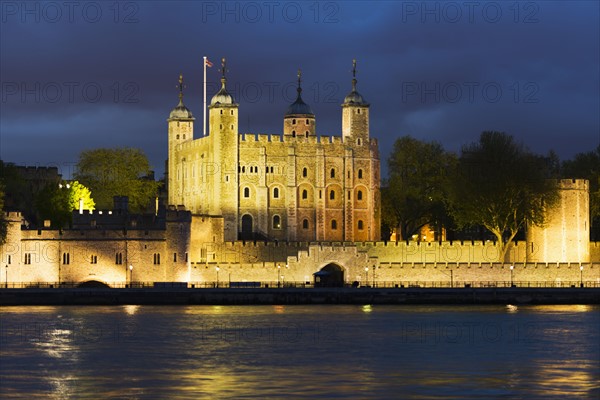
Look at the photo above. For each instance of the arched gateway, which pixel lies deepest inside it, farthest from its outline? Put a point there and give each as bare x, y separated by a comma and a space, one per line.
92, 284
331, 275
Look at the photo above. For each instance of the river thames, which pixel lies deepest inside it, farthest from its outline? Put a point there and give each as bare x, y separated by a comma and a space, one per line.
322, 351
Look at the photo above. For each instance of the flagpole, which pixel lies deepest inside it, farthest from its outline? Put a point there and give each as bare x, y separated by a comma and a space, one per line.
204, 108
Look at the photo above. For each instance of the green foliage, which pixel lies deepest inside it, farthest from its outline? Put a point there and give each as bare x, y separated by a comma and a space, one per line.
499, 184
117, 172
414, 194
56, 202
587, 166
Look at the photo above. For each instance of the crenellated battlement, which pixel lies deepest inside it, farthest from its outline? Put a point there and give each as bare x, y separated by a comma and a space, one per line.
573, 184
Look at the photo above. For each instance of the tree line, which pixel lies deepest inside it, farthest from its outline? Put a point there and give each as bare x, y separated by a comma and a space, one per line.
101, 175
496, 183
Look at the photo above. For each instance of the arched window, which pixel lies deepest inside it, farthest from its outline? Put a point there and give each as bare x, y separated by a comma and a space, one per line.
332, 173
333, 224
306, 133
276, 222
304, 172
293, 122
359, 195
305, 224
332, 195
276, 193
293, 133
360, 225
307, 122
221, 112
358, 141
305, 194
246, 192
360, 174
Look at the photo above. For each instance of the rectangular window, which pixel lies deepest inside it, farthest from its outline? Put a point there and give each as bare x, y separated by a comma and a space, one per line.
94, 259
8, 259
174, 257
119, 258
156, 258
27, 259
66, 259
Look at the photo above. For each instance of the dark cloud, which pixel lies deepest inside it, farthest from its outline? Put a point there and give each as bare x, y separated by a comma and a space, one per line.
440, 71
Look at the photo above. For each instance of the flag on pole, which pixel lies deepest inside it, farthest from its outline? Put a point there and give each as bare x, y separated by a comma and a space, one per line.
207, 63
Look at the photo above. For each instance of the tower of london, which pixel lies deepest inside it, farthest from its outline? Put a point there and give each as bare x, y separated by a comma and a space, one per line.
290, 186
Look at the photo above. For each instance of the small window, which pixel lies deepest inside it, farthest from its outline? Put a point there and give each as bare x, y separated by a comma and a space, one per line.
184, 136
186, 257
66, 258
332, 195
177, 136
221, 112
304, 194
293, 122
276, 193
358, 111
332, 173
276, 222
307, 122
220, 126
231, 112
304, 172
9, 259
293, 133
119, 258
360, 174
333, 224
94, 259
359, 195
174, 257
246, 192
359, 141
231, 128
360, 225
348, 195
305, 224
27, 260
306, 134
156, 258
320, 194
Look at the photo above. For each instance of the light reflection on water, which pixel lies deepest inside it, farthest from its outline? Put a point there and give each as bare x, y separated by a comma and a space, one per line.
300, 351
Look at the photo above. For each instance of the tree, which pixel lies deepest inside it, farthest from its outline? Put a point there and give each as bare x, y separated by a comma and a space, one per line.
499, 184
416, 188
587, 166
57, 202
117, 172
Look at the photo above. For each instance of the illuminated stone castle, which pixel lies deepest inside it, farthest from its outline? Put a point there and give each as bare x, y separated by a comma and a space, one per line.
292, 187
305, 207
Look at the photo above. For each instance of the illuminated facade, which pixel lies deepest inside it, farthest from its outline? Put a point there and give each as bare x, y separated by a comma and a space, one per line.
292, 187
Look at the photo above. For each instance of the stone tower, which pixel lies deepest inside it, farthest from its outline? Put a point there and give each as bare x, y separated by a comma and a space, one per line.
181, 130
355, 114
299, 119
566, 235
222, 174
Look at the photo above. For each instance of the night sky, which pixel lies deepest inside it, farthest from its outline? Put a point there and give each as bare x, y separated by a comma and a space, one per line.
81, 75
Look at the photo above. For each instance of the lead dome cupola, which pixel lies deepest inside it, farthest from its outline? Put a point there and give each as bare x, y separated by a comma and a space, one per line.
354, 98
222, 97
299, 107
181, 111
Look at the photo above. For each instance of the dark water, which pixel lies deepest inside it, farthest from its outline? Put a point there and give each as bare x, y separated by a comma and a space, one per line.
273, 352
